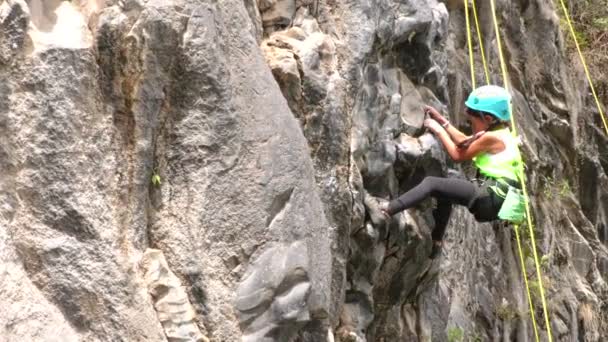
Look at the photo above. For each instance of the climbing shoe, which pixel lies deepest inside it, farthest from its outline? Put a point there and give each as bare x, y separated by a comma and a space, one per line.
376, 209
383, 206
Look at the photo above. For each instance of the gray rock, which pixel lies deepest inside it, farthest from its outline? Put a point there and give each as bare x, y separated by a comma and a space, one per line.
251, 142
170, 300
272, 299
14, 20
27, 314
277, 13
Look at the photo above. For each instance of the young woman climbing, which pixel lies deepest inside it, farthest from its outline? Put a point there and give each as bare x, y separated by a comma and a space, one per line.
494, 151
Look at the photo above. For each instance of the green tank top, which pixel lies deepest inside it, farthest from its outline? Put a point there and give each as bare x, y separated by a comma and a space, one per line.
504, 164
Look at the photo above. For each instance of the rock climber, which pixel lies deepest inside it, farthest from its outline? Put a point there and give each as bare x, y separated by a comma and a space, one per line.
494, 151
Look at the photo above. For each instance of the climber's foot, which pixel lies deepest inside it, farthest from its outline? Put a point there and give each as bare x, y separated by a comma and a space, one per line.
376, 208
384, 209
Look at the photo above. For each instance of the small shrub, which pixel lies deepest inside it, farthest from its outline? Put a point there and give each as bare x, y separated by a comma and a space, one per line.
564, 188
455, 334
506, 312
155, 178
476, 337
590, 21
544, 261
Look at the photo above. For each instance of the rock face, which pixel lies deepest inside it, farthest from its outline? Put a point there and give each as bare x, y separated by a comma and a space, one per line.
272, 299
170, 300
187, 170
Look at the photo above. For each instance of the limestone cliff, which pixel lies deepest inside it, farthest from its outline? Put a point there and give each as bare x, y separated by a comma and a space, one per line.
210, 170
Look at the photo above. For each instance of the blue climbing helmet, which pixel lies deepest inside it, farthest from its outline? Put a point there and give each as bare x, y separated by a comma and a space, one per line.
491, 99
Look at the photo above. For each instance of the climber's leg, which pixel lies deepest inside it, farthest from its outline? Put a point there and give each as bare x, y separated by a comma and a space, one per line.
444, 189
447, 191
441, 214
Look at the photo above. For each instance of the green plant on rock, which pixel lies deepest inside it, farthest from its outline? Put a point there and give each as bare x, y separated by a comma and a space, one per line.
581, 36
535, 290
552, 187
590, 23
564, 188
155, 178
506, 312
476, 337
548, 189
544, 261
601, 23
455, 334
526, 240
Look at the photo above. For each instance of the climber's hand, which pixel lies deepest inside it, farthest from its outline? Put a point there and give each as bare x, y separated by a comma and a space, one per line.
433, 125
434, 113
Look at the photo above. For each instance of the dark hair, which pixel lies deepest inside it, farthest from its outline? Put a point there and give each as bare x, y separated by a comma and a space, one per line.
493, 125
481, 114
477, 113
473, 112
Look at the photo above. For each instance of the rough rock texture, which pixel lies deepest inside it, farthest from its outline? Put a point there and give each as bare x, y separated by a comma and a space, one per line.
273, 295
250, 143
170, 299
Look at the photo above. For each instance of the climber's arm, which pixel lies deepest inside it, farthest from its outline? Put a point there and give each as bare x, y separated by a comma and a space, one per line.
488, 142
456, 135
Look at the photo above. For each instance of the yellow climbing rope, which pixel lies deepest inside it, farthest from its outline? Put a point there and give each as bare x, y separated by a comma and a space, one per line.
578, 48
483, 54
524, 272
520, 171
471, 59
523, 186
470, 43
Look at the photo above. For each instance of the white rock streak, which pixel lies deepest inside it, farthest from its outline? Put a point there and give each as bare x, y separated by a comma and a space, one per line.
170, 300
59, 24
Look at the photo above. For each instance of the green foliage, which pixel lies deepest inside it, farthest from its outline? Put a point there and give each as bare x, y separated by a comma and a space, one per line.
455, 334
590, 22
601, 23
506, 312
553, 188
544, 261
564, 188
476, 337
581, 36
526, 240
548, 187
155, 178
535, 290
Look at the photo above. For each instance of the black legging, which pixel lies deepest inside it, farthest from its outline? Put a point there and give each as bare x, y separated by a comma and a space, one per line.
483, 203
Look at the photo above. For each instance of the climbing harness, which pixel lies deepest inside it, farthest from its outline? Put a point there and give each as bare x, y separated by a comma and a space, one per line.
513, 208
503, 165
